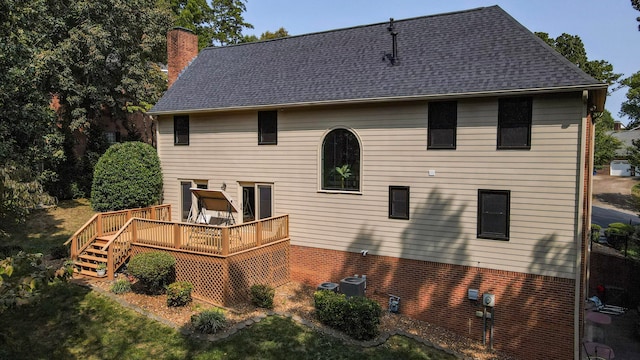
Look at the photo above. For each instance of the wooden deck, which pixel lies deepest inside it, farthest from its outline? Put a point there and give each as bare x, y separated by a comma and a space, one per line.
109, 237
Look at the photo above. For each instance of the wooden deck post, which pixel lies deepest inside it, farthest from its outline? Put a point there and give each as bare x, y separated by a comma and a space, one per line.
177, 236
99, 225
129, 215
259, 233
134, 231
153, 213
73, 252
225, 241
110, 264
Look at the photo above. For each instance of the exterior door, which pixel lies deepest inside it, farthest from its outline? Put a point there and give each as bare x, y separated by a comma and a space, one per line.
257, 201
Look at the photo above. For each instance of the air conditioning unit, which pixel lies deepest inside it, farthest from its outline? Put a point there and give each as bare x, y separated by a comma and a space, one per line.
328, 286
353, 286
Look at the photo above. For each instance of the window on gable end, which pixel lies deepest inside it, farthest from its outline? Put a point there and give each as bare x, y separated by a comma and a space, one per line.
181, 130
514, 123
442, 123
267, 127
493, 214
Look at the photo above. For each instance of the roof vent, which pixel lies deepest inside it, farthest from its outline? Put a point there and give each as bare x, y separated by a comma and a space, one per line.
393, 57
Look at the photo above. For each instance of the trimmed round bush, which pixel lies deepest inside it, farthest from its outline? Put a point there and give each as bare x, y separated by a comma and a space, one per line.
179, 293
262, 295
127, 176
209, 321
154, 270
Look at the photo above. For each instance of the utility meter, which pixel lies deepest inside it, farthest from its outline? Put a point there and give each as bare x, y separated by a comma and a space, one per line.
489, 300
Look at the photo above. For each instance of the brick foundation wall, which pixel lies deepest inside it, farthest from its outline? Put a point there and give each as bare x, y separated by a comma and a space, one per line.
533, 314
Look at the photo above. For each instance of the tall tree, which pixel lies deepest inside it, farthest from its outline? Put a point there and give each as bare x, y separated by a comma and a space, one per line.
605, 144
217, 23
631, 107
572, 48
267, 35
29, 144
103, 65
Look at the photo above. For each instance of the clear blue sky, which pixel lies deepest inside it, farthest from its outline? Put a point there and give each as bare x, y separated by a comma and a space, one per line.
608, 28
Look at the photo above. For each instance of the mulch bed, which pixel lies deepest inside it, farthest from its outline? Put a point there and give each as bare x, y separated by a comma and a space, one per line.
296, 301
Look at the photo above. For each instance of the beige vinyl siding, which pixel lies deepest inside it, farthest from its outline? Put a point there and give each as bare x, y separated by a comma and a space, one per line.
443, 215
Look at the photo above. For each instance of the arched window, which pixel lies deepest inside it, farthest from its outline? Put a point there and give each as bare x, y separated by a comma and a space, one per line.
341, 161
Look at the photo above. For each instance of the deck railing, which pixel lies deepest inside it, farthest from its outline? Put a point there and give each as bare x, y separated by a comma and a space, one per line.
219, 241
213, 240
108, 223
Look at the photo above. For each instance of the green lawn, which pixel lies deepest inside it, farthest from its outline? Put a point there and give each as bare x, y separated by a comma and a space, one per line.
44, 229
72, 322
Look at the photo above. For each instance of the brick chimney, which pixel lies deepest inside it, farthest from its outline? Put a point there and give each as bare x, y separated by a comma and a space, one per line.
182, 47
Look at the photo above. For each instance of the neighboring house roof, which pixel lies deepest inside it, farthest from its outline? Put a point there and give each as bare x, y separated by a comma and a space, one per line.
465, 53
626, 137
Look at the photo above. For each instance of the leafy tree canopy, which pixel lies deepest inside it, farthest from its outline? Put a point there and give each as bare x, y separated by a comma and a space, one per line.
631, 107
267, 35
106, 64
572, 48
217, 23
605, 144
29, 142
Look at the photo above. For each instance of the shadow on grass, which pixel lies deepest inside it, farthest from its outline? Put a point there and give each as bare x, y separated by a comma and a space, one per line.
71, 322
48, 228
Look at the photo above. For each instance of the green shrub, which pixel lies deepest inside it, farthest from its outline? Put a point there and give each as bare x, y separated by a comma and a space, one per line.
617, 234
179, 293
154, 270
262, 295
356, 316
127, 176
209, 321
121, 286
24, 276
330, 307
595, 232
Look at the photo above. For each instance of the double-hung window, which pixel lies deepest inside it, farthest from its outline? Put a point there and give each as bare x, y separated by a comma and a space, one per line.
399, 202
267, 127
493, 214
443, 118
181, 130
514, 123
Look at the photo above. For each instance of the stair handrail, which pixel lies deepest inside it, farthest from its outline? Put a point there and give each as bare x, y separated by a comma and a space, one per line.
115, 236
111, 265
74, 250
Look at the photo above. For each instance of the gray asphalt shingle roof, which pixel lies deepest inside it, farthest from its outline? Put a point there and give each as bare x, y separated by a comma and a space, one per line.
474, 51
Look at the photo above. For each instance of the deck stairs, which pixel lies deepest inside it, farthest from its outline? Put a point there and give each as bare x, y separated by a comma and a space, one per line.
93, 255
